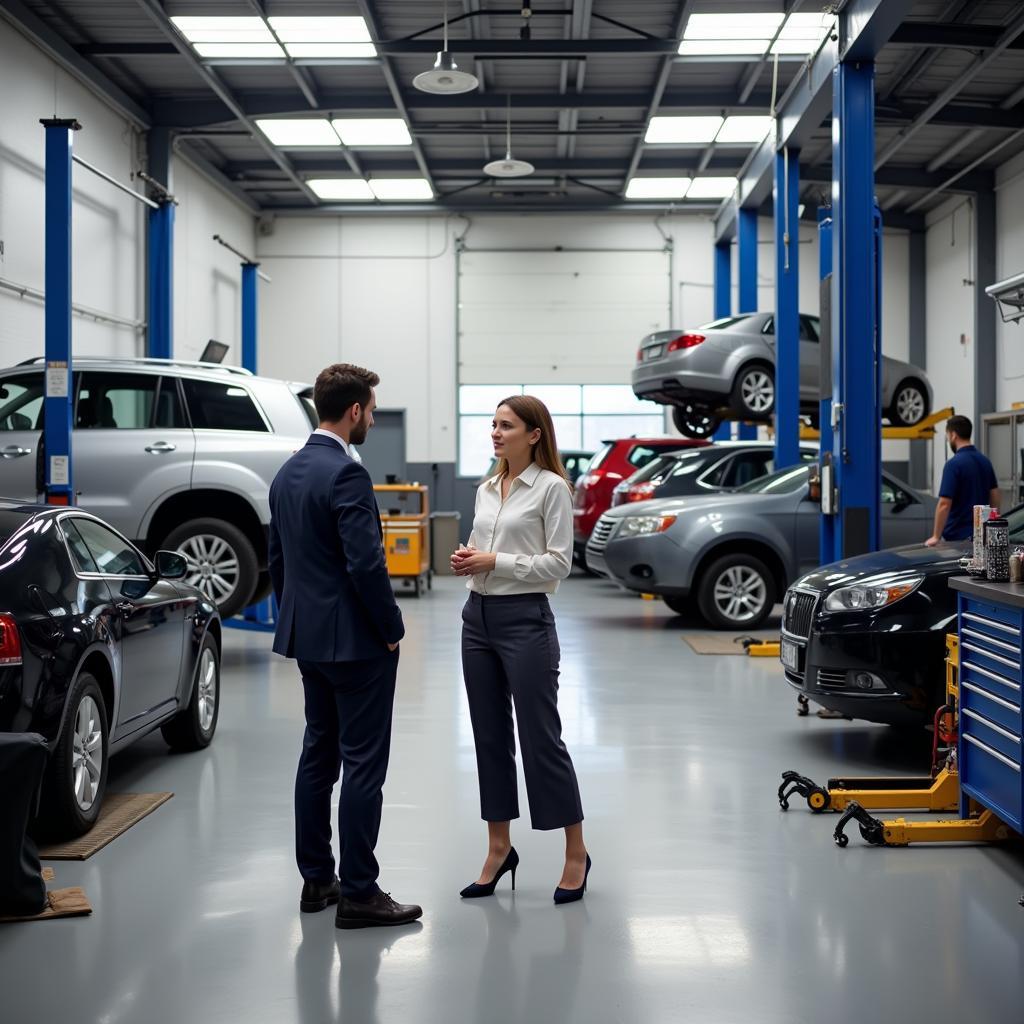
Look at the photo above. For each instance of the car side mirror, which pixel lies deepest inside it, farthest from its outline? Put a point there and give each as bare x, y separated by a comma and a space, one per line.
171, 565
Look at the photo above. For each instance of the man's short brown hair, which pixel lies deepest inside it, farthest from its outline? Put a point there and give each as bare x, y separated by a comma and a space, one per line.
961, 426
340, 386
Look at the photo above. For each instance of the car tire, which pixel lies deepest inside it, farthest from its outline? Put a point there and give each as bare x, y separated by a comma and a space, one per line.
76, 777
264, 588
695, 421
909, 404
753, 392
212, 544
678, 605
736, 592
194, 726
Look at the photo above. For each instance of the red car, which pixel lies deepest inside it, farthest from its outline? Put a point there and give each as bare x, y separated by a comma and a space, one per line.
614, 461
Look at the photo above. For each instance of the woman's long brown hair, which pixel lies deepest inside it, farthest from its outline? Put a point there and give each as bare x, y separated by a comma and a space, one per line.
534, 413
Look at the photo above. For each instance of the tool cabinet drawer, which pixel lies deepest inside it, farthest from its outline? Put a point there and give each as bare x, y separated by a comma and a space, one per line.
996, 735
992, 778
999, 620
982, 697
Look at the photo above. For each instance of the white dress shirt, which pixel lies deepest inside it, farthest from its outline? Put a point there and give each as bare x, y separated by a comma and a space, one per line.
350, 449
531, 532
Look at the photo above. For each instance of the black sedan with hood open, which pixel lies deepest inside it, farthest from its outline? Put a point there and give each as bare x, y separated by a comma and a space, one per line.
867, 636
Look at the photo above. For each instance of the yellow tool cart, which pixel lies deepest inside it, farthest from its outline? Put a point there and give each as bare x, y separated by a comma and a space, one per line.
405, 516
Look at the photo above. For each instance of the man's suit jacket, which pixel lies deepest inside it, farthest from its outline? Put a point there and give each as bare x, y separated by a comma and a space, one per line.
326, 559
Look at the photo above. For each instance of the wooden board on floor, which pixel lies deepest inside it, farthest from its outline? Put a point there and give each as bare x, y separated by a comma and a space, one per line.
120, 812
707, 642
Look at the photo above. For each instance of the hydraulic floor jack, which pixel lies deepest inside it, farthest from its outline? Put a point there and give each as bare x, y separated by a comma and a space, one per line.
939, 791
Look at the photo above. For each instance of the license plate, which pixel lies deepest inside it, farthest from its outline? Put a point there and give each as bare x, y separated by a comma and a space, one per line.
653, 352
790, 655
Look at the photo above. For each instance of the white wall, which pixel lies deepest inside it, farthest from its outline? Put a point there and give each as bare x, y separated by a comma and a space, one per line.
1009, 261
108, 227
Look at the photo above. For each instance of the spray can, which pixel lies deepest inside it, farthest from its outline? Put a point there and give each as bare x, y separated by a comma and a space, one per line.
997, 549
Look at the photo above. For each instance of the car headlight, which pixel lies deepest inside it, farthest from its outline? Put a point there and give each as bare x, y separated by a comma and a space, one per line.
859, 597
639, 526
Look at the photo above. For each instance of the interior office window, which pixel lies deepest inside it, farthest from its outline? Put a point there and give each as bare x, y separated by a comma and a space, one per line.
113, 554
114, 401
21, 402
221, 405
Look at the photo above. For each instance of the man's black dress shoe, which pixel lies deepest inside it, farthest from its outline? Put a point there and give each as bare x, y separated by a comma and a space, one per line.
381, 911
317, 895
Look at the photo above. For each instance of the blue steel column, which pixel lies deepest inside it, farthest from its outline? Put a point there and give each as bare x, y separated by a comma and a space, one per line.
723, 307
787, 309
250, 312
855, 337
59, 487
827, 528
160, 273
746, 240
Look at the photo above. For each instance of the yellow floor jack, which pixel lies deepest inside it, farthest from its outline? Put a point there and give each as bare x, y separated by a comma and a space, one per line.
940, 791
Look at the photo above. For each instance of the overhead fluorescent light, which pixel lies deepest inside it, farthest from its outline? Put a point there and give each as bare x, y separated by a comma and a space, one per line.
732, 26
682, 130
711, 188
722, 47
258, 50
331, 49
373, 131
345, 189
802, 33
322, 30
657, 188
223, 30
745, 128
387, 189
306, 131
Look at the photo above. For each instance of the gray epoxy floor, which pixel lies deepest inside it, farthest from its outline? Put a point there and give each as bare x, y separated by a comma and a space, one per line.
706, 903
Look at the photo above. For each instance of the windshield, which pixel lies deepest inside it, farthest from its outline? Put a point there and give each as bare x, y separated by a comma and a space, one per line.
785, 481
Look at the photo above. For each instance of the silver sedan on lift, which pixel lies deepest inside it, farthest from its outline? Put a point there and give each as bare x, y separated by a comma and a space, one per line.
728, 366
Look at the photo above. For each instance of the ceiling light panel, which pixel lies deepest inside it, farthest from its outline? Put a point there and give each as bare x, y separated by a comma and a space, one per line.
389, 189
223, 30
657, 188
711, 188
331, 50
260, 50
732, 26
682, 130
346, 189
299, 132
744, 128
802, 33
320, 30
723, 47
373, 131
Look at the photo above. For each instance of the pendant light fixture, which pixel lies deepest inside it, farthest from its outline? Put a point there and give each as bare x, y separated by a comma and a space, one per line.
445, 78
509, 167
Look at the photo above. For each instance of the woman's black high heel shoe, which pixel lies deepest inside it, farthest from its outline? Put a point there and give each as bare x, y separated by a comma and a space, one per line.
476, 890
572, 895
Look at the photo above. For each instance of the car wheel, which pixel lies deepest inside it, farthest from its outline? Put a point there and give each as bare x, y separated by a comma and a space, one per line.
193, 728
76, 777
264, 588
679, 605
753, 393
221, 562
909, 404
697, 421
736, 592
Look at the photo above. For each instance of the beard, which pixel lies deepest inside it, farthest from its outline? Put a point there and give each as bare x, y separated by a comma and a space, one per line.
952, 447
359, 432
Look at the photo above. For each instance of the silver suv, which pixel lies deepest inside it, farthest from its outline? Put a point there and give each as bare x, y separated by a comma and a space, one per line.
174, 455
728, 366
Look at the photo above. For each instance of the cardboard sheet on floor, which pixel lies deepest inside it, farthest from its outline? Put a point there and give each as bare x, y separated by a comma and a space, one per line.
725, 643
61, 903
120, 812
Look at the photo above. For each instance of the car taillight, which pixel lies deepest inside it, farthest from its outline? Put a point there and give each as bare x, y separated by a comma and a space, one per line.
639, 355
685, 341
10, 641
641, 492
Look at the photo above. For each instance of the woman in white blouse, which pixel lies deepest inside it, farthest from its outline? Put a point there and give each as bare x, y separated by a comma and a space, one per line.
520, 547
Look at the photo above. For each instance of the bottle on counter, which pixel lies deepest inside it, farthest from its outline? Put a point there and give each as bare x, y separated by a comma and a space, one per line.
1016, 568
997, 549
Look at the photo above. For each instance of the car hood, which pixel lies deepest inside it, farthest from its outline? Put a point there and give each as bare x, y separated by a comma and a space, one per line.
674, 506
884, 566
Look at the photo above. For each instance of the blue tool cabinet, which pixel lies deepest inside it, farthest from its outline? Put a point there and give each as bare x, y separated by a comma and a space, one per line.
991, 627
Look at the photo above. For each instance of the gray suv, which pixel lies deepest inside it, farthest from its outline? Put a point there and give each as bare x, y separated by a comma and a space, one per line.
174, 455
728, 366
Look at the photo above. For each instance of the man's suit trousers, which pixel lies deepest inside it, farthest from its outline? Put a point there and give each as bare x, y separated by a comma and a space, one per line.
510, 654
348, 732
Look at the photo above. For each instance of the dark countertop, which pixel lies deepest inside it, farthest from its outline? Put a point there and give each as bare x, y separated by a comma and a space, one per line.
1011, 594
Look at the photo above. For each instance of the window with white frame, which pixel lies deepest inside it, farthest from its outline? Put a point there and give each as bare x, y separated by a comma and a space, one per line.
584, 415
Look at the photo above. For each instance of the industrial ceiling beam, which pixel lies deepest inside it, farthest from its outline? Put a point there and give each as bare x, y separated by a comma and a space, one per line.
946, 35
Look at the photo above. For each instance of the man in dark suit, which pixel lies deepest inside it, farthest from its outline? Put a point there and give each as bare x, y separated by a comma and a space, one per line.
337, 616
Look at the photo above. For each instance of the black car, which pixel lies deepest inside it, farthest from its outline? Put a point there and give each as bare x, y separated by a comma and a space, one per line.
719, 467
867, 637
98, 647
